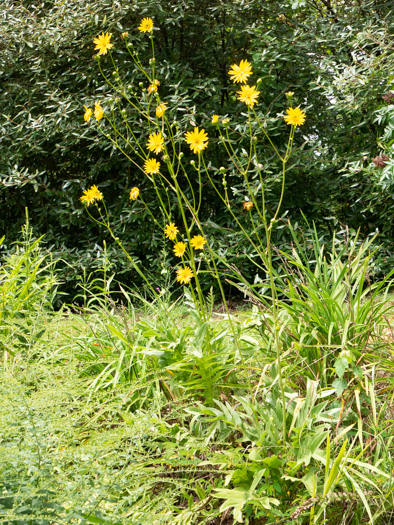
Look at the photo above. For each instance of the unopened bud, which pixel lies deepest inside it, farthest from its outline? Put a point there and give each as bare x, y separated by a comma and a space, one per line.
222, 169
166, 158
181, 154
254, 140
141, 84
193, 162
152, 61
259, 81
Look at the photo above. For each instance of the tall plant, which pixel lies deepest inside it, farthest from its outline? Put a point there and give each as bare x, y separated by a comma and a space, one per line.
170, 174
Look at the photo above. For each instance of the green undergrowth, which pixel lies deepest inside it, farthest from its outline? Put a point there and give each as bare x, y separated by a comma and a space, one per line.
139, 411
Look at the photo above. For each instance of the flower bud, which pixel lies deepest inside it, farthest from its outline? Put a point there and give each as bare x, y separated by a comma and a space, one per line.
192, 162
181, 154
222, 169
152, 61
141, 84
166, 158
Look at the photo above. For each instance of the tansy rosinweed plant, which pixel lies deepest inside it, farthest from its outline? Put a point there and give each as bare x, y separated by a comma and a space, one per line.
157, 153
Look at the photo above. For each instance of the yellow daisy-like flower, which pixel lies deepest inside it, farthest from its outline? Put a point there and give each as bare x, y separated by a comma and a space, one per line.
88, 114
152, 89
184, 275
103, 43
160, 110
134, 192
91, 195
215, 119
198, 140
146, 25
171, 231
151, 166
248, 205
295, 117
198, 242
249, 95
98, 111
240, 73
179, 249
155, 142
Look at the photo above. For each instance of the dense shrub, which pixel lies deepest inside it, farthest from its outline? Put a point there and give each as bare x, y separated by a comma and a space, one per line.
336, 57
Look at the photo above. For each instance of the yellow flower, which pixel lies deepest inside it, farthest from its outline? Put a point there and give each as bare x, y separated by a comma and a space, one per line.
248, 205
151, 166
249, 95
91, 195
171, 231
152, 89
160, 110
134, 192
103, 43
146, 25
295, 117
179, 249
98, 111
240, 73
155, 142
198, 140
88, 114
198, 242
184, 275
215, 119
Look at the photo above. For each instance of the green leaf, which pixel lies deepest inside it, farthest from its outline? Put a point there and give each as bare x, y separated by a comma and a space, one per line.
341, 365
340, 385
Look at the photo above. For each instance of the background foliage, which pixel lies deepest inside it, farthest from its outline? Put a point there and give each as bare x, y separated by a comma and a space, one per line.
335, 56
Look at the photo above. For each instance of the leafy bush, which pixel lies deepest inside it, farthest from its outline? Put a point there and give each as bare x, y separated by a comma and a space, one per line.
342, 53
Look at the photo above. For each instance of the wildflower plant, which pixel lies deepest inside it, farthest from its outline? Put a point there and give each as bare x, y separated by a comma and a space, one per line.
158, 154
